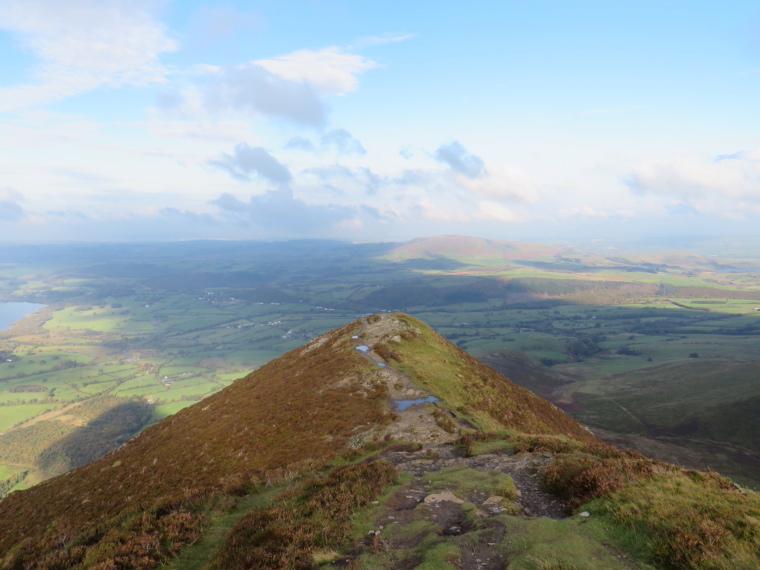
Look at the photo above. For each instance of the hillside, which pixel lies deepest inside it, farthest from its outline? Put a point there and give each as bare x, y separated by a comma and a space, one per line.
378, 443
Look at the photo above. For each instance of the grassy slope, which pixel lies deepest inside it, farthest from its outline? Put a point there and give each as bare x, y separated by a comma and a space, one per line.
473, 389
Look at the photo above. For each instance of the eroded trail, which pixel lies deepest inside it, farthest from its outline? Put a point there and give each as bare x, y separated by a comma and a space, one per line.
524, 469
473, 513
481, 512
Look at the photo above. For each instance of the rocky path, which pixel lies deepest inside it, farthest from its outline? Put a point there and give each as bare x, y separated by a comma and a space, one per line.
524, 470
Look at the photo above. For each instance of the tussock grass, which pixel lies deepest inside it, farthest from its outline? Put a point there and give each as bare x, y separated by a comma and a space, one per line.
689, 519
675, 517
306, 522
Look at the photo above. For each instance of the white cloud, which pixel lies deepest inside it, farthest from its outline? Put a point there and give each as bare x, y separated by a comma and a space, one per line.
733, 176
288, 87
280, 213
371, 41
82, 45
583, 211
219, 130
343, 141
248, 160
253, 88
494, 211
331, 71
427, 210
10, 211
460, 160
502, 182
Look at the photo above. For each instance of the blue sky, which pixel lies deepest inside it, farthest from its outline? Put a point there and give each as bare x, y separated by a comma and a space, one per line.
555, 120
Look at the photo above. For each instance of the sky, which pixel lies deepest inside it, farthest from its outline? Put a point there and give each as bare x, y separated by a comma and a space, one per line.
133, 120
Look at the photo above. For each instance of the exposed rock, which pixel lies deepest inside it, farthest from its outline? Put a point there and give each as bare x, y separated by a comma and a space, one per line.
440, 497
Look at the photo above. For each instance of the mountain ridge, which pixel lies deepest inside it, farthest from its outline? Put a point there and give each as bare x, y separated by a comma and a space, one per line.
296, 422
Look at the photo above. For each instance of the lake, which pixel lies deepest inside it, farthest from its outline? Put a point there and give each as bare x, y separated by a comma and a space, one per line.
13, 311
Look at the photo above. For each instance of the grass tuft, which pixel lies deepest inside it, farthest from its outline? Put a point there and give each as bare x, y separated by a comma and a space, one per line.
305, 521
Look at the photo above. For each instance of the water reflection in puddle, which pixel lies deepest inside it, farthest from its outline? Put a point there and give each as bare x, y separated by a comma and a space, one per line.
404, 404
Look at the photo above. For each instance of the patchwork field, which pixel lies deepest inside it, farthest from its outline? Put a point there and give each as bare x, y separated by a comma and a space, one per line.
657, 347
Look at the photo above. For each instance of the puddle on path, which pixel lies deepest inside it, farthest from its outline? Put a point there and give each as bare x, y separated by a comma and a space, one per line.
399, 405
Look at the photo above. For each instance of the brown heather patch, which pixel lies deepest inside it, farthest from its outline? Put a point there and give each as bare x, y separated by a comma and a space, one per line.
444, 421
301, 408
315, 514
578, 479
680, 518
136, 540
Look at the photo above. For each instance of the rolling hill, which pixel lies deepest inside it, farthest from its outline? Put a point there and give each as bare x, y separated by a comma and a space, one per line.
378, 444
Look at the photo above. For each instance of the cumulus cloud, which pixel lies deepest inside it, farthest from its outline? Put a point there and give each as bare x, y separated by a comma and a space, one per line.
734, 175
245, 161
251, 88
286, 87
82, 45
342, 178
460, 160
279, 212
503, 182
291, 86
300, 143
342, 140
428, 210
10, 210
339, 139
494, 211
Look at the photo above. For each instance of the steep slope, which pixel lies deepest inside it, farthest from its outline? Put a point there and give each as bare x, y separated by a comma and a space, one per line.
304, 406
264, 475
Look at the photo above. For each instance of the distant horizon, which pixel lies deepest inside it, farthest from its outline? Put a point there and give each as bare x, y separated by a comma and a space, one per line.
693, 243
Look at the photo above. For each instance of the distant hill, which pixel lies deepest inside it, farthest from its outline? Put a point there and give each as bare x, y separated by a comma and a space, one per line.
472, 247
381, 444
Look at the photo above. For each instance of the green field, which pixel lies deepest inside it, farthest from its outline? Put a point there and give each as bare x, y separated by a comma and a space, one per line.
173, 323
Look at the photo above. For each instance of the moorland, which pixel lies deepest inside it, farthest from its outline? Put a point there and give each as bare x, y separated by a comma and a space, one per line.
311, 461
651, 349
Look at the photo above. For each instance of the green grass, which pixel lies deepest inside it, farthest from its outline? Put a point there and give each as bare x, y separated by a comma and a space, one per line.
162, 411
12, 415
544, 544
685, 519
463, 482
157, 323
7, 471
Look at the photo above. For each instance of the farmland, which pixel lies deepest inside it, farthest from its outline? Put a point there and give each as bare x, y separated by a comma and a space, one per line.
658, 348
